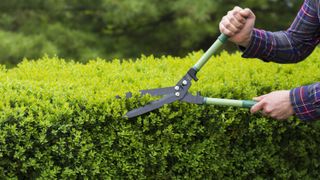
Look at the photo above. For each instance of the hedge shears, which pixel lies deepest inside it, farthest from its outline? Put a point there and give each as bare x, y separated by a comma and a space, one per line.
179, 92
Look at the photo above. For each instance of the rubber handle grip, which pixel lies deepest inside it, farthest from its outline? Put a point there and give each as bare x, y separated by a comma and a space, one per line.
248, 103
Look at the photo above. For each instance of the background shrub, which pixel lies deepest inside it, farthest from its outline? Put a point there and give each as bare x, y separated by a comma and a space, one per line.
82, 29
18, 46
61, 120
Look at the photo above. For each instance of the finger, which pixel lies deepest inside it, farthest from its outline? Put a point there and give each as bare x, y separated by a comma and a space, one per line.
228, 25
236, 14
237, 8
226, 31
259, 98
247, 13
257, 107
240, 18
268, 110
234, 21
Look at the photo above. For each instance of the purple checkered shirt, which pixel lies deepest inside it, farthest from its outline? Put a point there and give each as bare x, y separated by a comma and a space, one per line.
292, 46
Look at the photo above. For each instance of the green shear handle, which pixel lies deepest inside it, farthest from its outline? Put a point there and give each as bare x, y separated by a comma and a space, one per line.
214, 47
203, 60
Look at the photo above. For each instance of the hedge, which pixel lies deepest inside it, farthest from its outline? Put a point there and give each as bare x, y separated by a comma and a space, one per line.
60, 120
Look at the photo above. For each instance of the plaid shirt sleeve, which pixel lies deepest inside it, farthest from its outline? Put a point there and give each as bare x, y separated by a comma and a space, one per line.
306, 102
292, 46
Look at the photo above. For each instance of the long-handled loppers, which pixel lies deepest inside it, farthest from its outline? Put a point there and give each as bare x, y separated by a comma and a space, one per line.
179, 92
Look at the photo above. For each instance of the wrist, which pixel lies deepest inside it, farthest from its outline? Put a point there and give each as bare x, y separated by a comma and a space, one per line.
246, 42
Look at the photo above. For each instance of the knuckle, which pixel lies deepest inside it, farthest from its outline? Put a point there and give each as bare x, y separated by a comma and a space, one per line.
264, 102
224, 18
267, 110
239, 26
224, 23
235, 12
239, 17
224, 30
231, 18
236, 9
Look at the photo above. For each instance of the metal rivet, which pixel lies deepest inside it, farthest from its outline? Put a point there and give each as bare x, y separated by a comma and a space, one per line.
177, 88
184, 82
177, 94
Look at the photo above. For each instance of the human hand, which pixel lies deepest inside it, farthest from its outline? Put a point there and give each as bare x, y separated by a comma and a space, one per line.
238, 25
276, 105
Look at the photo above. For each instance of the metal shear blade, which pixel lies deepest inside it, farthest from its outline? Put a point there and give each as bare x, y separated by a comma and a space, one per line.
152, 106
172, 94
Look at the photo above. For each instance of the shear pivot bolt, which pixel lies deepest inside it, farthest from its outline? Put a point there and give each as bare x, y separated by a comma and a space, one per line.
177, 94
177, 88
184, 82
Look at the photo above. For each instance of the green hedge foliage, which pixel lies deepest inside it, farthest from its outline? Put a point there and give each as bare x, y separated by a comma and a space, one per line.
61, 120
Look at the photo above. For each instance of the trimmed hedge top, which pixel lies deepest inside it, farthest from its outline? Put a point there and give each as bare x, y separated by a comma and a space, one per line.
61, 119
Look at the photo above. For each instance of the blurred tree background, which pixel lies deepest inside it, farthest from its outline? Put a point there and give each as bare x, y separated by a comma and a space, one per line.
86, 29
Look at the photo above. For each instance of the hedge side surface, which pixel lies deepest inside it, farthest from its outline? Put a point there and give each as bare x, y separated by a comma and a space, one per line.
61, 120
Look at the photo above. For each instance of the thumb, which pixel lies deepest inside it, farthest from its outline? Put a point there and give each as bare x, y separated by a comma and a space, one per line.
259, 98
247, 13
